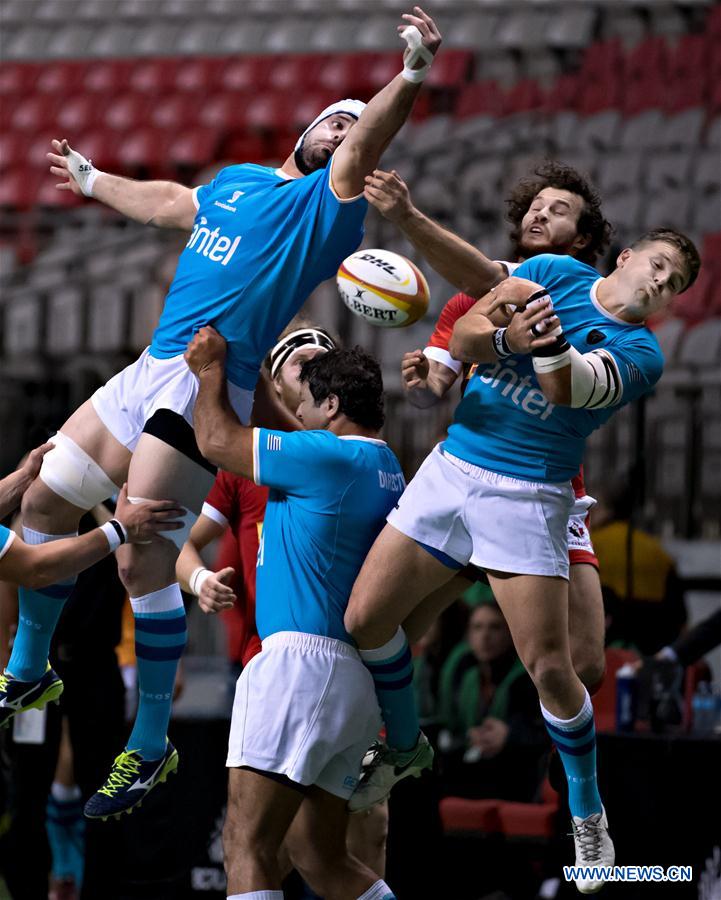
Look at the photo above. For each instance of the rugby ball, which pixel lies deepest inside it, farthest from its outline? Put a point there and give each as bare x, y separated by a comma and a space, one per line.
383, 288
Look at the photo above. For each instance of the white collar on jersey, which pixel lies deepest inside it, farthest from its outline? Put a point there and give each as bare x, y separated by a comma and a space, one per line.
281, 173
604, 312
358, 437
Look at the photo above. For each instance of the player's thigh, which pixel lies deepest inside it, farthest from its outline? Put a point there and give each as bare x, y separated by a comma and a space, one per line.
536, 610
159, 471
396, 575
428, 610
86, 428
259, 813
586, 622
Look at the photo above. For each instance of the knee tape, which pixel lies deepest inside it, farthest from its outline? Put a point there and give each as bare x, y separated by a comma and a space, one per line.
180, 535
74, 475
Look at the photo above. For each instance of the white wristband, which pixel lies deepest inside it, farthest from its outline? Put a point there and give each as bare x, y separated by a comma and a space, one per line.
197, 579
416, 51
83, 171
111, 533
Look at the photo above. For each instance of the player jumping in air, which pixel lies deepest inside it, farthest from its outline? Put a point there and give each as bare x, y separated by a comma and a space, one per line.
260, 240
497, 492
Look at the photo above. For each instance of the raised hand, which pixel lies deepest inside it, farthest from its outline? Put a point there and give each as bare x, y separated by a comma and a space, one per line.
389, 194
430, 35
77, 172
414, 370
216, 593
207, 348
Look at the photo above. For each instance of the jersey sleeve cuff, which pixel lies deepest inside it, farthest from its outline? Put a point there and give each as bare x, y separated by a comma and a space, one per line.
216, 515
332, 189
194, 195
444, 357
8, 543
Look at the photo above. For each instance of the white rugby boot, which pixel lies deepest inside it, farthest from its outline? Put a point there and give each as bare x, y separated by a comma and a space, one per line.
594, 848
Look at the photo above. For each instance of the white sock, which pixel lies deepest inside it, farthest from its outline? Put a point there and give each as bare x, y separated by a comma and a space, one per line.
258, 895
378, 891
64, 793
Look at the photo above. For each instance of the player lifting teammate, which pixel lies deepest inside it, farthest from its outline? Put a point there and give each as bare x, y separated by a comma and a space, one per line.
260, 240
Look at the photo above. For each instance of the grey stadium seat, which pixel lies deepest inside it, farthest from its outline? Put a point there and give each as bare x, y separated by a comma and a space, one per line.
66, 309
620, 172
669, 335
701, 346
571, 27
666, 170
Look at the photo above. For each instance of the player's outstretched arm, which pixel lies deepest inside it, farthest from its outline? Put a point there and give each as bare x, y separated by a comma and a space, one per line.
386, 112
452, 257
164, 204
425, 381
221, 437
212, 589
37, 566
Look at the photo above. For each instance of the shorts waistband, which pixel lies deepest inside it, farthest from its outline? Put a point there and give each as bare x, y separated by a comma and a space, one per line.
300, 640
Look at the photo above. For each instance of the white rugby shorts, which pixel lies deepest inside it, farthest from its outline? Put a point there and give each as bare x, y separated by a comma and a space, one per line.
129, 399
305, 708
486, 519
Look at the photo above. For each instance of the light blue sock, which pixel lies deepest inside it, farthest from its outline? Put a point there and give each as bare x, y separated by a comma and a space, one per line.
65, 826
38, 614
392, 669
160, 635
258, 895
378, 891
575, 740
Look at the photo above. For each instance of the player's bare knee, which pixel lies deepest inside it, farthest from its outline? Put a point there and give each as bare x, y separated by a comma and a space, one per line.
591, 671
550, 672
43, 510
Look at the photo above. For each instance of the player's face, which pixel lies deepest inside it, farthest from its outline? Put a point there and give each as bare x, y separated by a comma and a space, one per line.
551, 223
488, 634
322, 142
648, 278
311, 415
287, 384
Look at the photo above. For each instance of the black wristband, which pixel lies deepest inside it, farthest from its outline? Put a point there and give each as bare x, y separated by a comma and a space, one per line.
119, 530
560, 345
500, 343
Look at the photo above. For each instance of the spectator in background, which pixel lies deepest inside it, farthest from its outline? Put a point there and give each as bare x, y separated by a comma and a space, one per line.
495, 737
643, 594
695, 643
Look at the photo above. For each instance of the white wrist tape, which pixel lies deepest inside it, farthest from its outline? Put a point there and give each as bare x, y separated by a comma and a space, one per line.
416, 52
198, 578
83, 171
595, 377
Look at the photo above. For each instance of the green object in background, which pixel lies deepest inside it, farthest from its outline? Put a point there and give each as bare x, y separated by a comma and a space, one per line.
478, 594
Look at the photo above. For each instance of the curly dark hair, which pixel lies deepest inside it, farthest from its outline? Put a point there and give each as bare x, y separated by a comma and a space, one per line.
354, 376
684, 246
591, 222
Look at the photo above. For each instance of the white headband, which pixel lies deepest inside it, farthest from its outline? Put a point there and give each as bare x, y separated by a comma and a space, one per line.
296, 340
348, 107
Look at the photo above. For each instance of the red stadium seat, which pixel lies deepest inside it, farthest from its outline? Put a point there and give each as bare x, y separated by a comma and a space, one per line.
596, 97
302, 112
145, 147
245, 148
227, 111
78, 112
603, 60
101, 146
382, 67
34, 113
174, 112
199, 75
298, 72
690, 56
36, 150
480, 97
248, 73
684, 93
269, 112
13, 150
194, 148
347, 73
530, 820
604, 700
17, 79
524, 96
641, 94
154, 76
107, 76
49, 196
450, 69
126, 111
18, 188
462, 814
648, 60
564, 93
60, 78
693, 305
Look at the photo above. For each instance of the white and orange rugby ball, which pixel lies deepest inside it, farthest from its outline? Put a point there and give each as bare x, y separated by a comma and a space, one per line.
383, 288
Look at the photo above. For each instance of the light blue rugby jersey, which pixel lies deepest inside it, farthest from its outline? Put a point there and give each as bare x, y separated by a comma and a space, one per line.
505, 424
328, 501
6, 539
260, 244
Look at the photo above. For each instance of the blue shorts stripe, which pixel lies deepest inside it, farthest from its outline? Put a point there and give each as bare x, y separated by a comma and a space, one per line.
441, 556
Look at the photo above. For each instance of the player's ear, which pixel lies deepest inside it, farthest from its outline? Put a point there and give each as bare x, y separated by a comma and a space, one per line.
582, 240
623, 257
332, 405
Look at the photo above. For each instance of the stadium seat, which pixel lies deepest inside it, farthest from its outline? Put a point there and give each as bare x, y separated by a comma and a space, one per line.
22, 320
107, 76
145, 147
701, 347
249, 73
289, 35
297, 72
76, 113
473, 31
199, 75
246, 36
65, 330
349, 70
101, 146
193, 148
669, 333
459, 814
13, 149
530, 820
69, 41
154, 76
17, 79
114, 40
61, 78
157, 39
244, 148
18, 188
694, 304
28, 42
175, 112
480, 97
33, 113
620, 172
684, 128
571, 27
643, 131
126, 111
199, 37
450, 69
604, 700
520, 28
671, 207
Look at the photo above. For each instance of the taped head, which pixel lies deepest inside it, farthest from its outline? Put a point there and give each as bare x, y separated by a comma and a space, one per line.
352, 108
